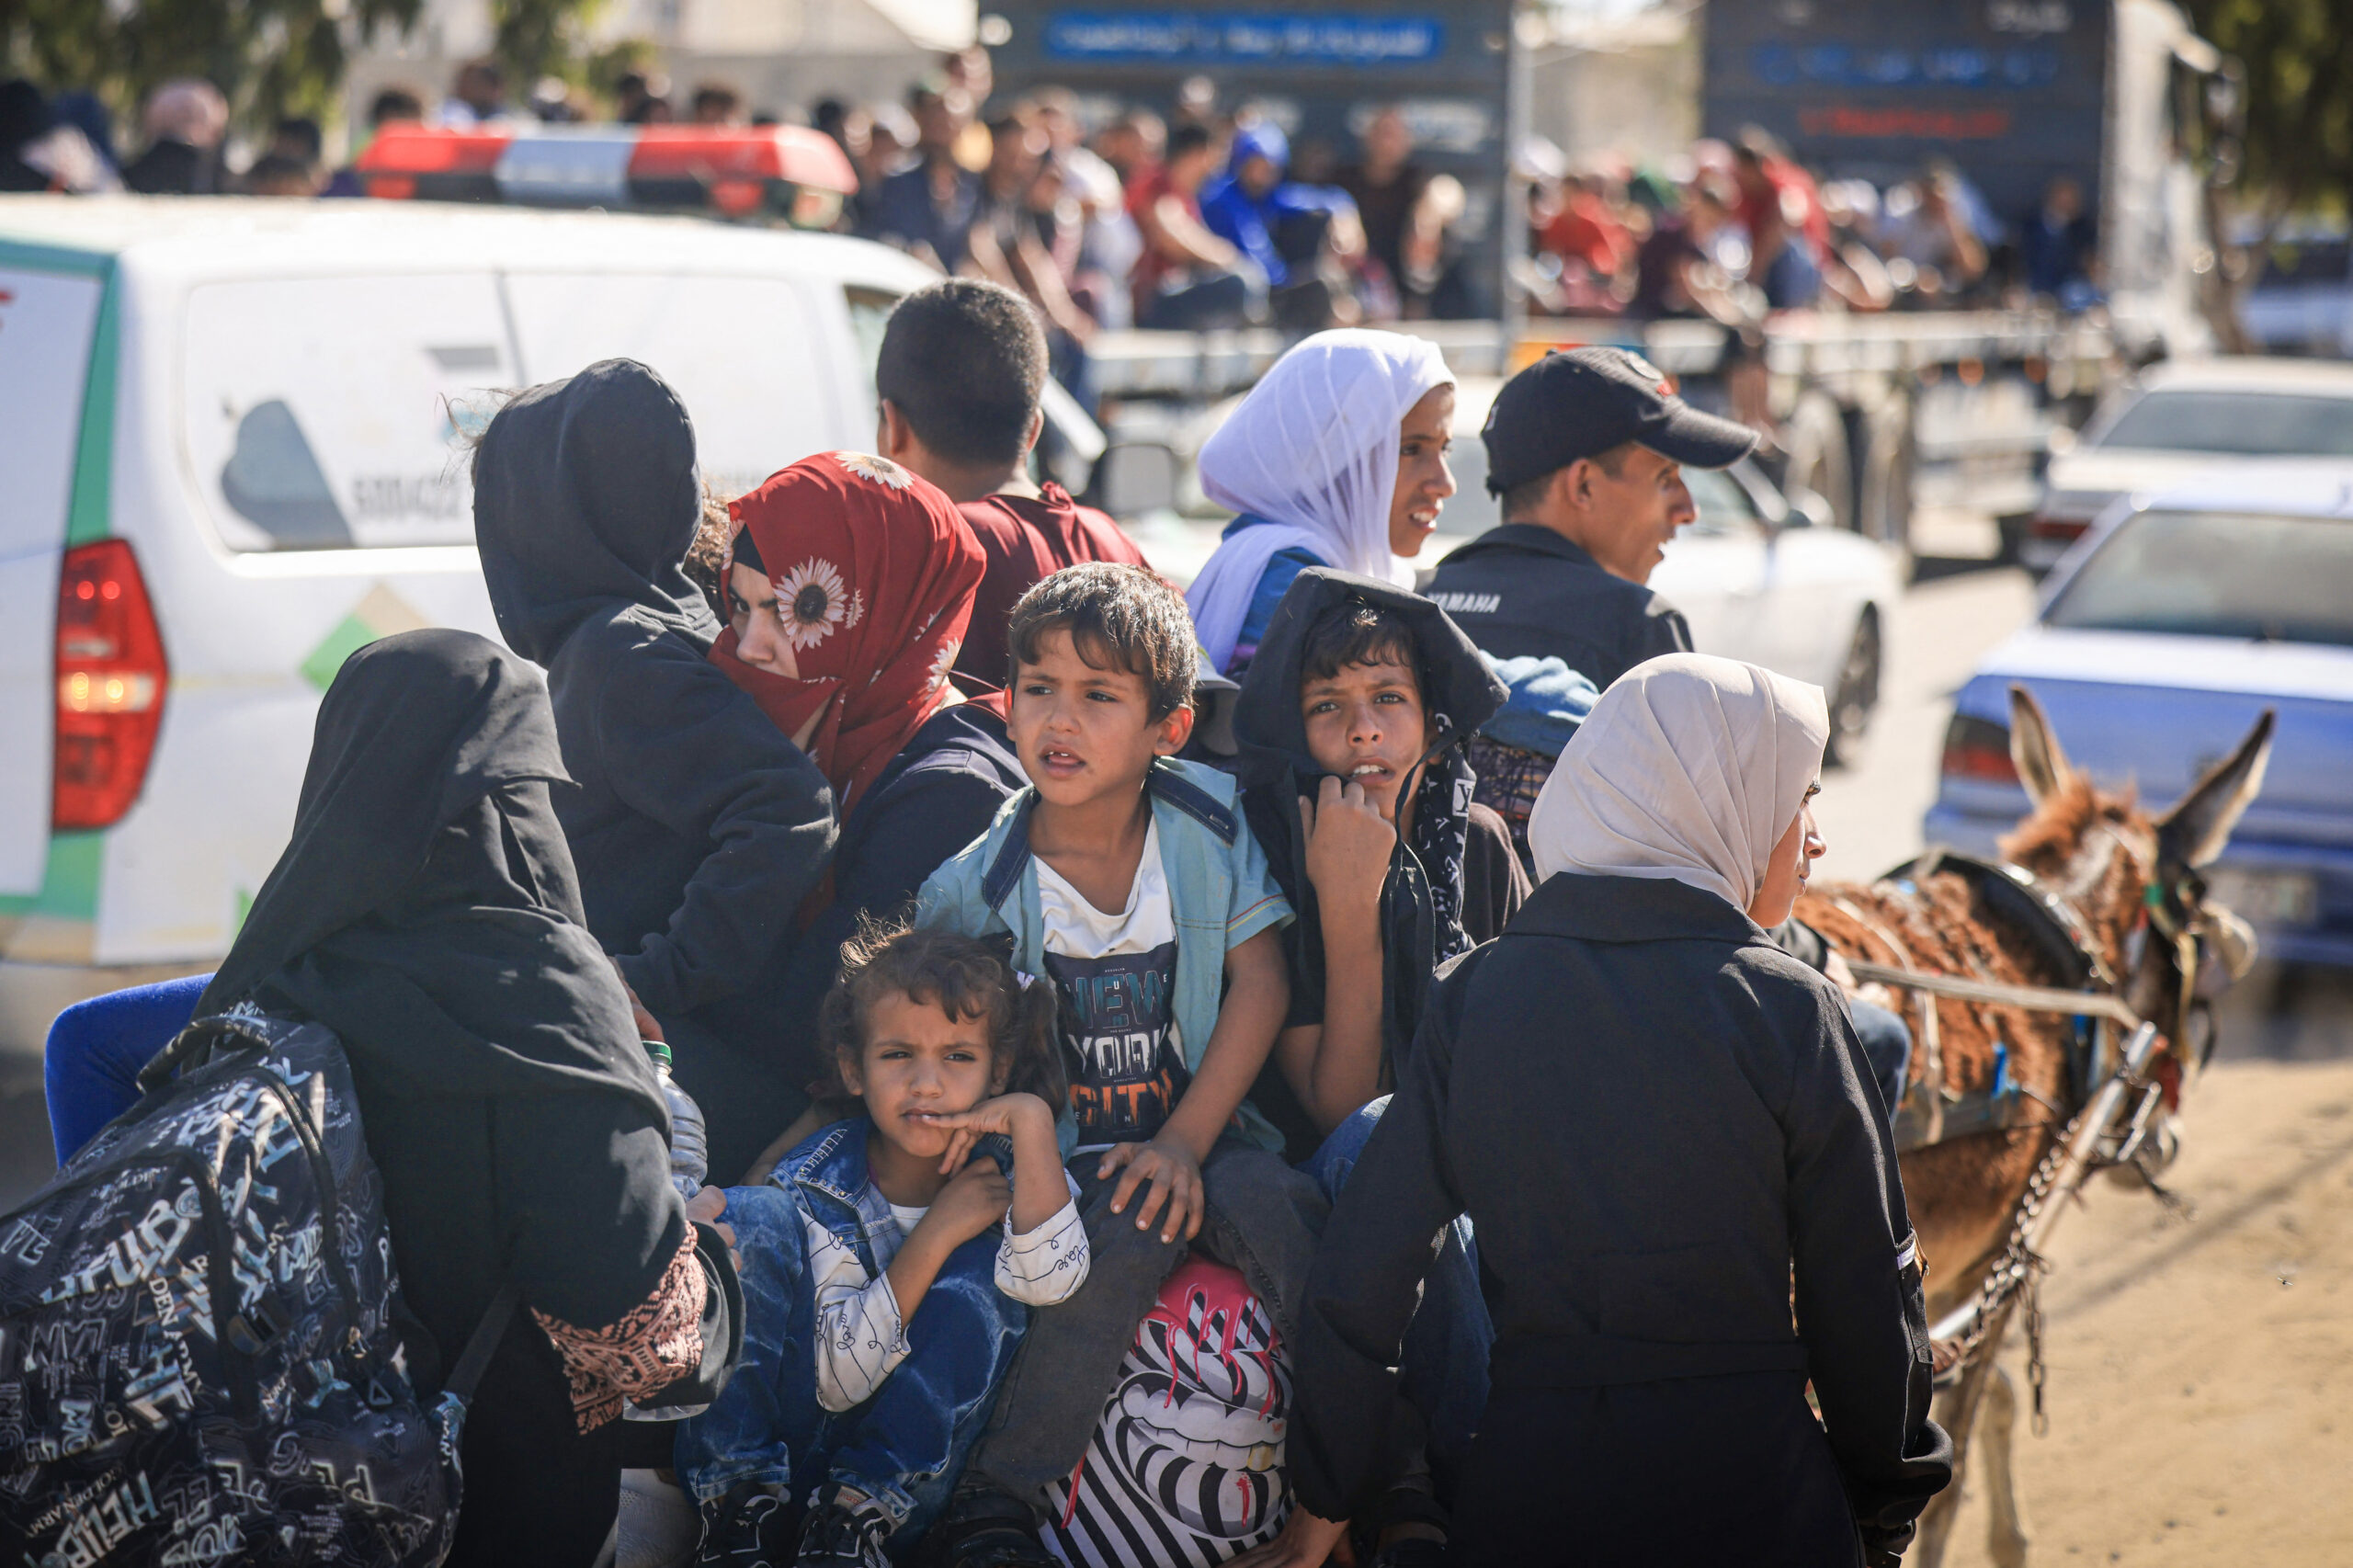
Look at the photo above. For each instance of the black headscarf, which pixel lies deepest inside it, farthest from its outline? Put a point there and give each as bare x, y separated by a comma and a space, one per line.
1422, 902
586, 492
426, 909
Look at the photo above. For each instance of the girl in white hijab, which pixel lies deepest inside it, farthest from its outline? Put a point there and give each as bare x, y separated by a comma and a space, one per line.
1694, 768
1337, 458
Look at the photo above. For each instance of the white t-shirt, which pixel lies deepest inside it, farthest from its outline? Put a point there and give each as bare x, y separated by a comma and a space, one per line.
1114, 975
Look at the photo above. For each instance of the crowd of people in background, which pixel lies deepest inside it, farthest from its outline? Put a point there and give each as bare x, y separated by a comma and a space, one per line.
1206, 216
1733, 229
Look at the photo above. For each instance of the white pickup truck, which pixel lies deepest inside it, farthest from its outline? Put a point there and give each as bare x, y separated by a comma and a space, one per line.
231, 453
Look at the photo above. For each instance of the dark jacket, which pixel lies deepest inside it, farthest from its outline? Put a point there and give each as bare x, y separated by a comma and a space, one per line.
698, 828
1277, 770
1521, 590
938, 794
425, 911
1653, 1115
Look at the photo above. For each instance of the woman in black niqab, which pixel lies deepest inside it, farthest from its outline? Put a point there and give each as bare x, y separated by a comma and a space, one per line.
698, 826
427, 911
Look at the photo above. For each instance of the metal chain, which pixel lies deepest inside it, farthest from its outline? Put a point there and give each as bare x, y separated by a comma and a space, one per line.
2016, 1269
2034, 1369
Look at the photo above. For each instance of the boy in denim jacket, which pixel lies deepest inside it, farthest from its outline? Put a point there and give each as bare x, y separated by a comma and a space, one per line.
1130, 880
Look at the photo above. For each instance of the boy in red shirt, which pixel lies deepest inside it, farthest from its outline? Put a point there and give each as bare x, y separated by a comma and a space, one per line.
959, 373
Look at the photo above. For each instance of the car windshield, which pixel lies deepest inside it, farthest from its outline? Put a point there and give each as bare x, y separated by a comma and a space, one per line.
2218, 575
2237, 424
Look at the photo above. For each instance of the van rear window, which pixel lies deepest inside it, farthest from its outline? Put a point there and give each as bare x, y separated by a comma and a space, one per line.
329, 413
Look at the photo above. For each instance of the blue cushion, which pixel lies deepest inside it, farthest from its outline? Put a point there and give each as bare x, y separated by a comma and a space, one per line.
90, 1067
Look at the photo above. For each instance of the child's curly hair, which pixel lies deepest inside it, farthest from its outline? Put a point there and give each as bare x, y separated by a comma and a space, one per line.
706, 563
965, 977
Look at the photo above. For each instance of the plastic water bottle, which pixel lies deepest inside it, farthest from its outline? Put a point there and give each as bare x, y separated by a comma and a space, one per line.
690, 1148
689, 1162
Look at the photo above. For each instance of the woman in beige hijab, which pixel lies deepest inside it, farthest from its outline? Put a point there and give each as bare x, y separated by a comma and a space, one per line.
1656, 1119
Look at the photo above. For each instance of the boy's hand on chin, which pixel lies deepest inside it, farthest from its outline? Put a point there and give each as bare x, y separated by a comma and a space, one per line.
1176, 1178
975, 1201
1350, 845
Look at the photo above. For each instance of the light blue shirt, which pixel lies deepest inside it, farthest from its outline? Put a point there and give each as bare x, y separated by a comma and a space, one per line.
1218, 883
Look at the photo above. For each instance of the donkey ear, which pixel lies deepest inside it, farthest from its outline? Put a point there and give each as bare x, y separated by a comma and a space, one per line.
2034, 750
2194, 831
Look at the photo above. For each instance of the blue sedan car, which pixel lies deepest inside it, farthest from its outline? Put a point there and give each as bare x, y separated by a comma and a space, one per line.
2160, 637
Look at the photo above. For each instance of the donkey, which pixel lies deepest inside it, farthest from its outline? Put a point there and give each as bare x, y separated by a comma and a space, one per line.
2132, 881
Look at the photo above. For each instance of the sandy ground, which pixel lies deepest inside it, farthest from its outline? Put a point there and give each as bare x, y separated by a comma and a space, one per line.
2199, 1365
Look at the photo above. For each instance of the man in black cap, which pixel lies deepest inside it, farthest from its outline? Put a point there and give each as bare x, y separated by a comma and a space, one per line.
1586, 450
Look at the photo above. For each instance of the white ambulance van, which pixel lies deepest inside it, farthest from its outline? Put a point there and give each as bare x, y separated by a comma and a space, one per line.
231, 453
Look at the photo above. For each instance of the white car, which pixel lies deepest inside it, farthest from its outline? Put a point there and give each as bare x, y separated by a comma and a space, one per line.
231, 453
2182, 419
1757, 577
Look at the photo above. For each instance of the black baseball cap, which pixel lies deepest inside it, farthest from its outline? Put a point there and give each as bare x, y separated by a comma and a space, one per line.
1583, 402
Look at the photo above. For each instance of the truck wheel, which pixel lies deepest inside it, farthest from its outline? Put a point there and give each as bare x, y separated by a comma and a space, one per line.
1820, 456
1858, 695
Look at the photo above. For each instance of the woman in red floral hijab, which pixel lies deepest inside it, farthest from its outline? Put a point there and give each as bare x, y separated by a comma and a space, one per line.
851, 582
850, 585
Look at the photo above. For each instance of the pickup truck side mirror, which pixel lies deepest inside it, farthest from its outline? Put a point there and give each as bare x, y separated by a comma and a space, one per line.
1136, 477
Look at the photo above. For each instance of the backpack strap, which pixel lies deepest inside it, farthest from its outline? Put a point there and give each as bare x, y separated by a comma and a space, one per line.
482, 1344
189, 1047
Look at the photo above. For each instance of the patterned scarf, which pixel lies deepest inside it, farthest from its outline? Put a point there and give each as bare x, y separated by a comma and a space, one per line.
1441, 822
874, 570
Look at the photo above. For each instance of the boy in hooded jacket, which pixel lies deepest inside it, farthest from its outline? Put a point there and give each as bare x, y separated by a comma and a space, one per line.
697, 825
1352, 722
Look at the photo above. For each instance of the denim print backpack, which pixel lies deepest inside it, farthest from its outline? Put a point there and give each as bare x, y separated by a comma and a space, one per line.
197, 1358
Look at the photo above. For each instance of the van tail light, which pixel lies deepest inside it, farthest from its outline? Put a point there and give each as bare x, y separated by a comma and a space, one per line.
110, 679
2058, 530
1978, 750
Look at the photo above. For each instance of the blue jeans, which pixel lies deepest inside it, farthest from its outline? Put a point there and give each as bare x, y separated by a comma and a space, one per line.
1262, 1219
1887, 1048
1444, 1371
905, 1446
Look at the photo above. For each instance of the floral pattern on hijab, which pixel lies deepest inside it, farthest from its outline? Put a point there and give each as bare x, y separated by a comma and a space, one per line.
874, 570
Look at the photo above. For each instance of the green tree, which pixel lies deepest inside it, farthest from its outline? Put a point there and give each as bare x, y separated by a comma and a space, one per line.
2296, 108
271, 57
2298, 59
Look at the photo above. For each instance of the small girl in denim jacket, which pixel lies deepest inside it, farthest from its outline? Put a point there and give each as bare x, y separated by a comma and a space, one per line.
891, 1263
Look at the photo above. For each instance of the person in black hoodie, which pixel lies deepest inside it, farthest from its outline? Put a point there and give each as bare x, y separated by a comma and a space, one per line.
426, 911
697, 825
1352, 739
1661, 1124
1351, 722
